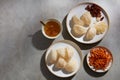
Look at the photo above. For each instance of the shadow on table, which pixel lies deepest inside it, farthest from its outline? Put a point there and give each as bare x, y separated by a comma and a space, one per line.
41, 42
47, 74
67, 36
90, 72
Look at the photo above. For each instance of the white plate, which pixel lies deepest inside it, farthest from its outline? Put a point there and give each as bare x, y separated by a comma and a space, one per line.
77, 55
78, 11
99, 71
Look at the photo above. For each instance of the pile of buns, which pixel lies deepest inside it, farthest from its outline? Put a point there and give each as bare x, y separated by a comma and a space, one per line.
62, 58
84, 26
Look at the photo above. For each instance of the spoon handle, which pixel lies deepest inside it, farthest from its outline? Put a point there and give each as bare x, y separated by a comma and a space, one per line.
42, 23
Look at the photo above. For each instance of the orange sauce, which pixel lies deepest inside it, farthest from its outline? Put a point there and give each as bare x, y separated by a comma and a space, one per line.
52, 28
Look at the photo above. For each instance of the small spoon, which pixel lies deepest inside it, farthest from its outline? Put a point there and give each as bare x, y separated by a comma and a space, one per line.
42, 23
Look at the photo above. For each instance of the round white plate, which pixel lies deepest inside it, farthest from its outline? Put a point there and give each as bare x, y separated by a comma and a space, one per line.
78, 11
77, 55
99, 71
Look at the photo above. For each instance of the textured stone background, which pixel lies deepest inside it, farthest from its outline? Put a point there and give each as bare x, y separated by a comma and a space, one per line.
22, 45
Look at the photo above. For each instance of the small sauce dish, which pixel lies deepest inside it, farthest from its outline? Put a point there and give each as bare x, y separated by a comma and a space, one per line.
52, 28
99, 59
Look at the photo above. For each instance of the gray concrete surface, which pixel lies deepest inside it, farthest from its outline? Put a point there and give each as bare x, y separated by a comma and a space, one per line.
22, 45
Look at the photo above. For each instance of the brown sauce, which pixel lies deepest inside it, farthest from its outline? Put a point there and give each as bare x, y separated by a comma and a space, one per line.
52, 28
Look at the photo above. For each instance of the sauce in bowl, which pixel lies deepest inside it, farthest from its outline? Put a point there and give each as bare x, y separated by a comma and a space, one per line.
52, 28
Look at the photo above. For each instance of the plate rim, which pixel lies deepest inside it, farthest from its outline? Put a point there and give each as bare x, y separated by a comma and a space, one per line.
72, 44
105, 13
109, 63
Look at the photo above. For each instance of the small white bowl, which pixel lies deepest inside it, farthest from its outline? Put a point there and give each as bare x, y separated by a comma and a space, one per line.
49, 37
100, 70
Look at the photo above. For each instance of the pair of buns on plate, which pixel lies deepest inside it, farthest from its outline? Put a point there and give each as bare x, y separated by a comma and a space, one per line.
62, 59
83, 26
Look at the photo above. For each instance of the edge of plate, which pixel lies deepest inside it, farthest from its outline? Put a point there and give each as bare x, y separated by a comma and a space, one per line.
72, 44
105, 13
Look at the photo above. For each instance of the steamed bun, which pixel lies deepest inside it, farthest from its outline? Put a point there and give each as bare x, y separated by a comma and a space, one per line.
61, 52
69, 53
86, 18
52, 57
71, 66
76, 20
90, 34
78, 30
60, 63
100, 27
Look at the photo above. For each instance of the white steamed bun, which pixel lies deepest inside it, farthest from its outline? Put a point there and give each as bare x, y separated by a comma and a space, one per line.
52, 57
69, 53
60, 63
78, 30
86, 18
100, 27
90, 34
71, 66
75, 20
61, 52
